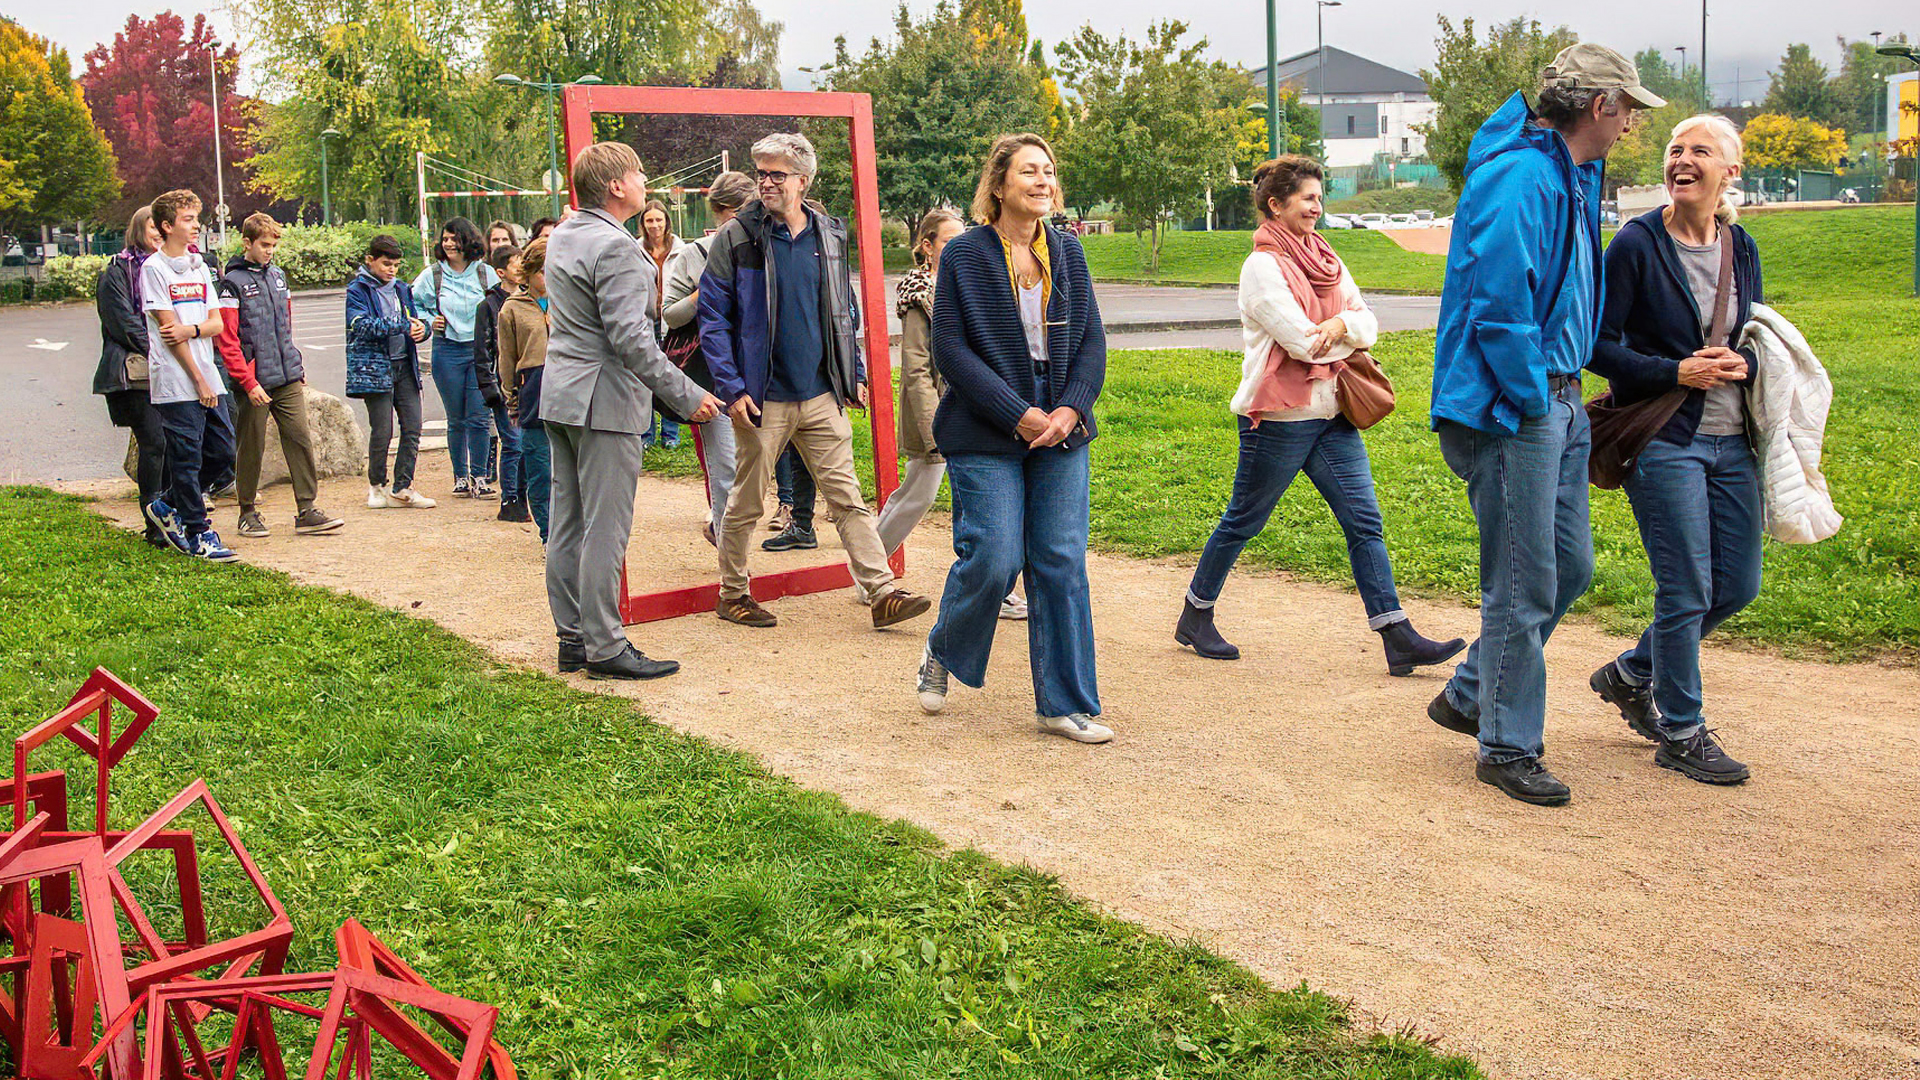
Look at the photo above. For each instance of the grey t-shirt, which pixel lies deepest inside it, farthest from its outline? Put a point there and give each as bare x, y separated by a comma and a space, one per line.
1723, 413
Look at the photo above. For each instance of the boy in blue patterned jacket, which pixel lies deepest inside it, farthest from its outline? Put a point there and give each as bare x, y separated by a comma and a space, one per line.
384, 331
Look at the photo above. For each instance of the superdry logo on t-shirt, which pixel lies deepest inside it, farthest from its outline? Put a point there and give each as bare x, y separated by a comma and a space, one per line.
186, 292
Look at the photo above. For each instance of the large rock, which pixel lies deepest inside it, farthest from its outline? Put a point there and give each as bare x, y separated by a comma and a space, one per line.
339, 442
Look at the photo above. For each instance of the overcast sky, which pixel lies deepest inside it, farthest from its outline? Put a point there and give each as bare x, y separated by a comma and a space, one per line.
1749, 34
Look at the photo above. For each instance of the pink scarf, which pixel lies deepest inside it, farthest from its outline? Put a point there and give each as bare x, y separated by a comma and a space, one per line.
1313, 272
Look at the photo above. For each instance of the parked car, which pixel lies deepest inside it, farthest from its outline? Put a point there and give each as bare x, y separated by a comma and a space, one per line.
1372, 221
1336, 221
1423, 215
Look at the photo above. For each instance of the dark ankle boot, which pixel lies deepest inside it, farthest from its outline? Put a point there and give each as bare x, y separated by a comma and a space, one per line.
1197, 633
1407, 650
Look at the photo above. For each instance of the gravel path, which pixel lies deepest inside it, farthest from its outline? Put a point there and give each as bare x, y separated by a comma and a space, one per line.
1297, 811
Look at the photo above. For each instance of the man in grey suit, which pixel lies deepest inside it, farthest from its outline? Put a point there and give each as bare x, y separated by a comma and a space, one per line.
596, 399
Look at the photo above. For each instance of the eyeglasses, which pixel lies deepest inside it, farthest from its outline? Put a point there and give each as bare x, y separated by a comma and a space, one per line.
775, 177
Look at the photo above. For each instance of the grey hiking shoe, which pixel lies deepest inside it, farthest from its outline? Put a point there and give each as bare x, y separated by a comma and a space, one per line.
1634, 702
1699, 756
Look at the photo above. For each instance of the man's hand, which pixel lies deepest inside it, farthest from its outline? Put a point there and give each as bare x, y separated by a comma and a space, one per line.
258, 395
709, 408
862, 394
743, 410
416, 330
439, 323
176, 333
1060, 424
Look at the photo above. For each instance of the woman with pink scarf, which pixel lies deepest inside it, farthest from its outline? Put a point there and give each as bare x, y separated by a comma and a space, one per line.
1302, 317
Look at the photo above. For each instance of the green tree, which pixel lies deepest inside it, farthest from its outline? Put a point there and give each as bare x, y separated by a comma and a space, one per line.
55, 165
941, 94
996, 24
1303, 129
1156, 124
1799, 87
1471, 78
1861, 88
1664, 79
1640, 157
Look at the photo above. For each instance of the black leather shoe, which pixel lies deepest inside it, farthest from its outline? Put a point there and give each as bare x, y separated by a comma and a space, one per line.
1442, 712
1699, 756
631, 664
573, 655
1525, 779
1407, 650
1634, 702
1196, 632
792, 537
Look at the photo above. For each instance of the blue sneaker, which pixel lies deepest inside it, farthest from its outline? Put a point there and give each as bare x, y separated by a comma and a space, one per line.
207, 546
161, 517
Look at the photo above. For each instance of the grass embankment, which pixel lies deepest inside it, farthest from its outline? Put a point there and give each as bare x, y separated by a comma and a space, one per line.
1214, 258
1814, 254
1167, 459
638, 903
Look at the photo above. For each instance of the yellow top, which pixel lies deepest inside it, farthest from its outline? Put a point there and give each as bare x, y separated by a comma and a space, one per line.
1039, 255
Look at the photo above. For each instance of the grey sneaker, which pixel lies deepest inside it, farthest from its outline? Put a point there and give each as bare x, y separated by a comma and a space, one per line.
1699, 756
933, 684
1076, 726
253, 526
315, 520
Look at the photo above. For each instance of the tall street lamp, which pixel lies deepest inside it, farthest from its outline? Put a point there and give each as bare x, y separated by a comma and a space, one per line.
1899, 47
553, 145
1276, 120
1320, 31
326, 188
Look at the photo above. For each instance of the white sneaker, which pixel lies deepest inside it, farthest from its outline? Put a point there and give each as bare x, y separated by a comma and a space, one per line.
377, 498
932, 684
1077, 726
1013, 608
411, 499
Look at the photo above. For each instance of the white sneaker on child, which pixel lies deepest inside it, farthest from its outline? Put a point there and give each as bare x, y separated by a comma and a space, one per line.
377, 498
1078, 726
411, 499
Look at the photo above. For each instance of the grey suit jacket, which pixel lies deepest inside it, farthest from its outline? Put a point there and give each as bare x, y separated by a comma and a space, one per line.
603, 364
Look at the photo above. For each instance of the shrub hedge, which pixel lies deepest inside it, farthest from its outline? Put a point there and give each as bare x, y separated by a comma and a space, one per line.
313, 256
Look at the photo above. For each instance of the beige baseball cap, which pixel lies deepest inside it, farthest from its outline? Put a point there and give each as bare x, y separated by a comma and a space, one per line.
1587, 66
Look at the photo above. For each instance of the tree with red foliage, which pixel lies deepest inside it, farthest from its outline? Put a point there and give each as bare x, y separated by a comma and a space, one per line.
150, 93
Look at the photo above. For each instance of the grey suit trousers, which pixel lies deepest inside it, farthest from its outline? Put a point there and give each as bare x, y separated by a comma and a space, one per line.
595, 474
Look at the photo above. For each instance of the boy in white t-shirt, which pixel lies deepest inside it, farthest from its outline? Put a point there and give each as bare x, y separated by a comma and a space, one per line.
177, 290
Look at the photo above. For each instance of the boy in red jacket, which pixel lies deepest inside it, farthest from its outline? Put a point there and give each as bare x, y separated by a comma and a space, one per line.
256, 344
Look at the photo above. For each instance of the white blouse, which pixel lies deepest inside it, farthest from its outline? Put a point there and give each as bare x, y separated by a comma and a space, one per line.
1270, 315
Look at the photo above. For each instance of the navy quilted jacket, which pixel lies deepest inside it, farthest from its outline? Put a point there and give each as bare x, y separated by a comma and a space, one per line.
981, 348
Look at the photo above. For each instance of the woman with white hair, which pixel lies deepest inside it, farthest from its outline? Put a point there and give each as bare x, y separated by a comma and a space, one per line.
1680, 283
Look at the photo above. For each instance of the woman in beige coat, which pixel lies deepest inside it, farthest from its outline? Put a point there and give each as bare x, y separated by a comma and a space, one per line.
920, 390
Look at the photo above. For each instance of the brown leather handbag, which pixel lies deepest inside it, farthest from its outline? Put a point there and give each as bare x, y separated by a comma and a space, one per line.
1363, 390
1621, 432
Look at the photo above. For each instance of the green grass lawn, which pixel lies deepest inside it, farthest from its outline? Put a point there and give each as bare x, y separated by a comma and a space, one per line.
1811, 254
1165, 465
638, 903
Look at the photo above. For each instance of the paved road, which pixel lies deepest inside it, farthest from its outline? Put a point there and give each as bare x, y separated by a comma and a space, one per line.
52, 427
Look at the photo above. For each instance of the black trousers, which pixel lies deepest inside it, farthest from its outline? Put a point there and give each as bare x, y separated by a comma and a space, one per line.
403, 402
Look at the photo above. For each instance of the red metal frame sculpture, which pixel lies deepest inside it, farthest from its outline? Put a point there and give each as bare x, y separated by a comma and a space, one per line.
580, 105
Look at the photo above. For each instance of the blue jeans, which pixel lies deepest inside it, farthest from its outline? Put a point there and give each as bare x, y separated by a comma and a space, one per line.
1700, 518
794, 484
1529, 495
1335, 459
513, 484
668, 431
467, 413
1010, 514
536, 464
200, 443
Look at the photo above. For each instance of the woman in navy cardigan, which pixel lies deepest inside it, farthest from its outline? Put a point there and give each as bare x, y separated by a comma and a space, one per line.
1695, 489
1017, 336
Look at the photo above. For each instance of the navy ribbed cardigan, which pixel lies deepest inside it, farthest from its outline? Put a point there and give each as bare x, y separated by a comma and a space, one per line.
1650, 321
980, 347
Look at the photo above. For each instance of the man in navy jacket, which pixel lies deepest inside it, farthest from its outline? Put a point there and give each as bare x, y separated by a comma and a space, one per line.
1518, 317
777, 329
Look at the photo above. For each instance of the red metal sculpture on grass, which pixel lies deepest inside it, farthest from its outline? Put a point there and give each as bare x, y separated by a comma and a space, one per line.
191, 1009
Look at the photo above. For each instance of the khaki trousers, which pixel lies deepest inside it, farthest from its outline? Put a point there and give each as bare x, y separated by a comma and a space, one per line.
289, 409
820, 430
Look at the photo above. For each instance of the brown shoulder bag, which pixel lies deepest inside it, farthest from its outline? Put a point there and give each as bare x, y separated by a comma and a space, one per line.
1363, 390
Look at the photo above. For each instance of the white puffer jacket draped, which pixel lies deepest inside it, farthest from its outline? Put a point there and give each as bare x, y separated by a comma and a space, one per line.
1788, 405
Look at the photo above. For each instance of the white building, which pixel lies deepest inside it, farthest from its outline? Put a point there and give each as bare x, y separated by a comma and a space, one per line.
1366, 108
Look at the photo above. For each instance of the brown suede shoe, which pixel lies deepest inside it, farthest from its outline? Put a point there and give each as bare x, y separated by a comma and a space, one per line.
897, 606
744, 611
